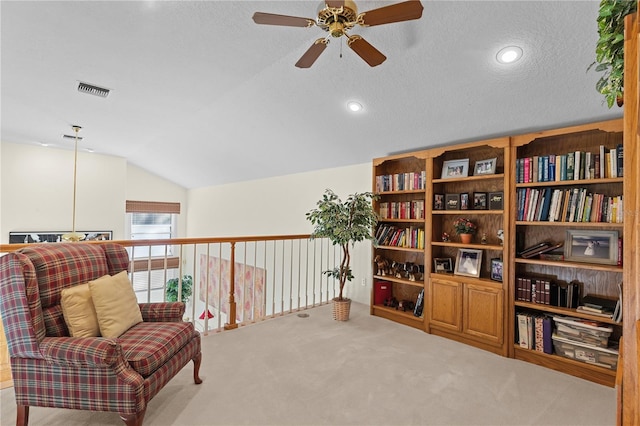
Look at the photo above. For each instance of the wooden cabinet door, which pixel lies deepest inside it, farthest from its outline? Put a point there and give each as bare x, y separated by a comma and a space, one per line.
446, 304
483, 312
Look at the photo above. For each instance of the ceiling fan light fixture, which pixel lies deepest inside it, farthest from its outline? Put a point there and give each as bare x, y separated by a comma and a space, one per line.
354, 106
509, 54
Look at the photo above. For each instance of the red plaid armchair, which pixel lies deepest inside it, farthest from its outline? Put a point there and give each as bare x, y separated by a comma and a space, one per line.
51, 369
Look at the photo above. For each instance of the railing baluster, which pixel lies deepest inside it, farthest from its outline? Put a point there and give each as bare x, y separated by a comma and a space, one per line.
231, 318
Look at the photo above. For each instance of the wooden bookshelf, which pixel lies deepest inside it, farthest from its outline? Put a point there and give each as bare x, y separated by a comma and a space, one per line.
594, 278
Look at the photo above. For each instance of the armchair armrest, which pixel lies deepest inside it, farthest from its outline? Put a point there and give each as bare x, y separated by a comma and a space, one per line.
81, 351
162, 312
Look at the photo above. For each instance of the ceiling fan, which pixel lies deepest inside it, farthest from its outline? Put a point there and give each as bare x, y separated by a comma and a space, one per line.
337, 17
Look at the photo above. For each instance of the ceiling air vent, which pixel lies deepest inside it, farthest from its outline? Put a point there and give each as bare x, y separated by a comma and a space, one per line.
93, 90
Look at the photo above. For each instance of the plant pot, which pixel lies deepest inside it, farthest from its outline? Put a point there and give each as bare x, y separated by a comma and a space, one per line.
465, 238
341, 309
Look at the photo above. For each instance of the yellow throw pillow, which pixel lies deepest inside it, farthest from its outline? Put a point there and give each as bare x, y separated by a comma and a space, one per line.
78, 311
116, 304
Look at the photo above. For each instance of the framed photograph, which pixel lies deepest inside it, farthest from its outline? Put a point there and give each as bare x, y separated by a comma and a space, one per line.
485, 167
495, 201
479, 200
442, 265
455, 169
496, 269
591, 246
452, 201
468, 262
30, 237
438, 201
464, 201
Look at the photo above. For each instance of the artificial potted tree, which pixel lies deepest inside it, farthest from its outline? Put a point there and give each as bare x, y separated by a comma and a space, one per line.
344, 223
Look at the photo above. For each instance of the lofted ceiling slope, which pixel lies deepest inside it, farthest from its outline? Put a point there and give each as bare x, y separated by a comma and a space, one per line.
203, 96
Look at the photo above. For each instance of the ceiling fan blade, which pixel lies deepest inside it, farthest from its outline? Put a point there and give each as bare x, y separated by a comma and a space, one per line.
366, 51
335, 3
399, 12
312, 53
288, 21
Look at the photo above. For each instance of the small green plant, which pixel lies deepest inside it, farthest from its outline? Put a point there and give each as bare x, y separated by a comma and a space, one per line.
172, 289
610, 48
344, 224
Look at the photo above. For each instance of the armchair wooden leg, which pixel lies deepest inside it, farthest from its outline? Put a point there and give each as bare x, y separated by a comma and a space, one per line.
196, 368
22, 415
133, 419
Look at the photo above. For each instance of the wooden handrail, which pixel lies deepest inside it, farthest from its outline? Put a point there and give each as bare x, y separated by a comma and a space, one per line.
7, 248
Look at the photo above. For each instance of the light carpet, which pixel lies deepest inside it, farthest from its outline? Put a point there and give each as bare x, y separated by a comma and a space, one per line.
366, 371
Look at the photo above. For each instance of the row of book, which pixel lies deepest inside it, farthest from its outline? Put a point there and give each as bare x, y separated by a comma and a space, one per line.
402, 210
401, 182
574, 338
568, 205
411, 237
534, 331
578, 165
547, 292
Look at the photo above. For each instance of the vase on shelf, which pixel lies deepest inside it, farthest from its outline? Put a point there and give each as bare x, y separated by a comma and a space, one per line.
465, 238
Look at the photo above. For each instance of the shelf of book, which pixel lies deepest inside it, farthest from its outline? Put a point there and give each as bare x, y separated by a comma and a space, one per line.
415, 250
567, 264
401, 220
409, 191
604, 376
569, 182
573, 224
406, 318
419, 284
467, 212
565, 311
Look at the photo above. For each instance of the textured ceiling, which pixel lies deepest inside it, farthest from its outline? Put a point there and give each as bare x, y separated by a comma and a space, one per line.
203, 96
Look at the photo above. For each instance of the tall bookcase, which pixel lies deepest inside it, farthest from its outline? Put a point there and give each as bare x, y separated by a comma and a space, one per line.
400, 182
599, 275
469, 309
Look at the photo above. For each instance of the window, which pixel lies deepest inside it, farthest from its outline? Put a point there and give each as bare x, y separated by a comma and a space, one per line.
152, 265
151, 226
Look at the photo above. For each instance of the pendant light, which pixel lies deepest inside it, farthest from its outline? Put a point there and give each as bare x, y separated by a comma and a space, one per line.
74, 236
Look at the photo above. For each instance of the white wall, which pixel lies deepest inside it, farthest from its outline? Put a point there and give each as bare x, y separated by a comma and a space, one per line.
144, 186
36, 190
277, 206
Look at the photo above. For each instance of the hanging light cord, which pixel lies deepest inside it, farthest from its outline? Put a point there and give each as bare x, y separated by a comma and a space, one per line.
75, 174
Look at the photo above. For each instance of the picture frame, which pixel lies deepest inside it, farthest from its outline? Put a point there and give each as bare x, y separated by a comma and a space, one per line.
442, 265
591, 246
485, 167
496, 200
452, 201
496, 269
30, 237
438, 201
479, 200
455, 169
468, 262
464, 201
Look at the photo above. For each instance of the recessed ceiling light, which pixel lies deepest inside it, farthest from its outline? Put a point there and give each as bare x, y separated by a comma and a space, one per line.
509, 54
44, 144
354, 106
